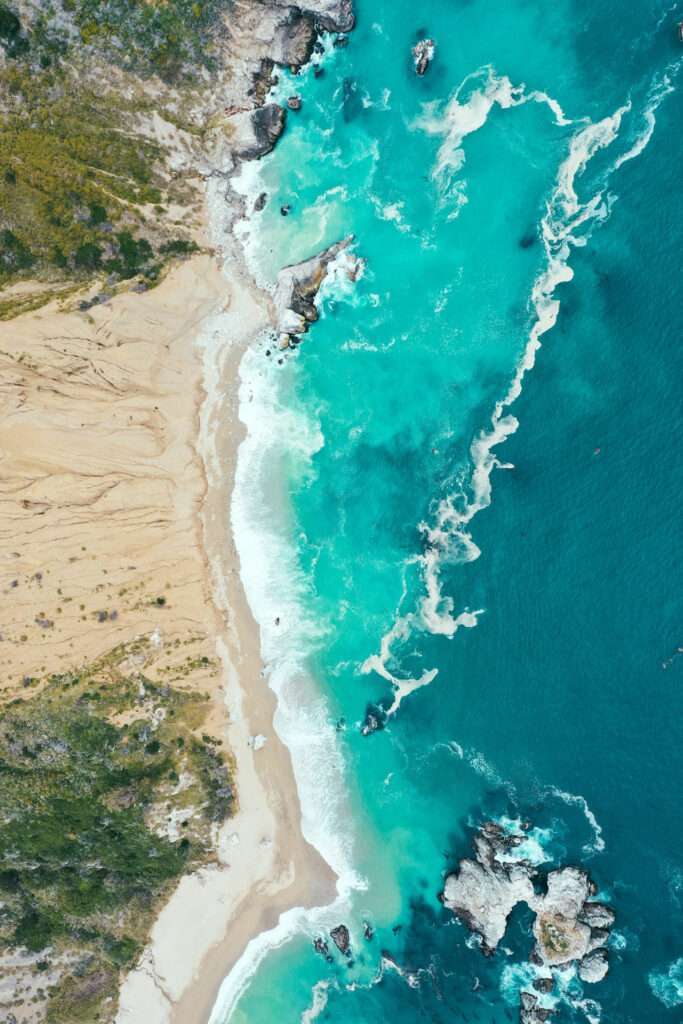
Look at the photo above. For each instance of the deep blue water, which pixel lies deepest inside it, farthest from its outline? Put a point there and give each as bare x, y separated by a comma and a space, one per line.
556, 688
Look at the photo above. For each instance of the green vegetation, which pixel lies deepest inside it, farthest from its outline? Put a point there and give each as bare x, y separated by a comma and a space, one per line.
69, 176
169, 37
82, 190
90, 771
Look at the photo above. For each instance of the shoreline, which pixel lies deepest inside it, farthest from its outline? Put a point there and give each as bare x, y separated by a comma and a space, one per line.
265, 865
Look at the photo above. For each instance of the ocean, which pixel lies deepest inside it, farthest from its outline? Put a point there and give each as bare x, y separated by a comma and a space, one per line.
456, 505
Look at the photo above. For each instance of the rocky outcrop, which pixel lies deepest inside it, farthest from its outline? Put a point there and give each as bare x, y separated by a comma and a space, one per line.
423, 55
330, 15
296, 289
253, 133
263, 36
341, 938
295, 37
569, 926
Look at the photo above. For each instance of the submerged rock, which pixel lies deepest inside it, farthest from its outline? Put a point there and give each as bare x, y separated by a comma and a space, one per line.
374, 721
423, 55
352, 99
341, 938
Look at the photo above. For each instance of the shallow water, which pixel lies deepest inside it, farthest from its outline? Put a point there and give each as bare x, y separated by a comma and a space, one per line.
477, 534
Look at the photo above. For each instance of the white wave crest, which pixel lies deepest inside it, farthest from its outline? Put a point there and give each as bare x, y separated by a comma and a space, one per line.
320, 997
462, 117
566, 224
667, 984
661, 87
598, 844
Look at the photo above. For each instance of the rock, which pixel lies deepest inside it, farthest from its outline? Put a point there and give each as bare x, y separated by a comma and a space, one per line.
374, 721
599, 937
297, 287
484, 891
340, 937
594, 967
263, 82
423, 55
597, 915
260, 202
530, 1012
543, 984
295, 38
368, 931
284, 210
340, 42
269, 124
254, 133
318, 72
484, 895
294, 102
320, 946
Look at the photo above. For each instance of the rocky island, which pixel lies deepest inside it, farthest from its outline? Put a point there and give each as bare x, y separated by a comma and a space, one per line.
570, 926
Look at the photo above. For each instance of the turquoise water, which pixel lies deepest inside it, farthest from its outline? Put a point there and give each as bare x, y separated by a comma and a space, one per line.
477, 536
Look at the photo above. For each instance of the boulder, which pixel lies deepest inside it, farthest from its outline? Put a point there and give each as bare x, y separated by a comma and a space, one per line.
594, 967
374, 721
597, 915
543, 984
423, 55
253, 133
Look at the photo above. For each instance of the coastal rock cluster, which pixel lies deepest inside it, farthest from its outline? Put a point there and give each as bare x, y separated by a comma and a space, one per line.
296, 289
287, 36
570, 927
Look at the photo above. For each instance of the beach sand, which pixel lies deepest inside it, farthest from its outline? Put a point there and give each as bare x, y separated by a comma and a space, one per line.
110, 504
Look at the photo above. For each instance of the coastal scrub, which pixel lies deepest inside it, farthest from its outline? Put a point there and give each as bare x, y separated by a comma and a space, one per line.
109, 793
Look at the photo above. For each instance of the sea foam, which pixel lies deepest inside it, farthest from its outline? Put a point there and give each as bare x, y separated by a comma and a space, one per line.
667, 984
566, 224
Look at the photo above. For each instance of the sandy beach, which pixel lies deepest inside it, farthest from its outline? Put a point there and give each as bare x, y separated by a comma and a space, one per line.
266, 866
119, 437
